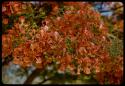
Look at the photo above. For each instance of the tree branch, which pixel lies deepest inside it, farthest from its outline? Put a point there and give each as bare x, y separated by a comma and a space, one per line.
46, 80
34, 74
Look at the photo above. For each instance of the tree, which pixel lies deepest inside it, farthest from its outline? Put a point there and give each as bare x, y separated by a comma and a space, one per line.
63, 35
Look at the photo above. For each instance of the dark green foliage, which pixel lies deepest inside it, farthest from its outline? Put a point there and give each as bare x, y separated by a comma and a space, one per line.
118, 34
47, 8
110, 28
70, 49
61, 9
116, 48
95, 30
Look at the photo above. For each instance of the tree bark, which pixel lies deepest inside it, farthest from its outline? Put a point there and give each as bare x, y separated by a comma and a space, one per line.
31, 77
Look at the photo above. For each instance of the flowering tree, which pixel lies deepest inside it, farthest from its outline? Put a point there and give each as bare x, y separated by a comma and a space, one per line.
70, 36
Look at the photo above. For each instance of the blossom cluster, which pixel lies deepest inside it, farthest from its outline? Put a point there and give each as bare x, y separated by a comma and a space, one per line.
75, 39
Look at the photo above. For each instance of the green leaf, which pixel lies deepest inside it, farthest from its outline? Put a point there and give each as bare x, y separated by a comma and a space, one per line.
95, 30
110, 28
87, 77
116, 48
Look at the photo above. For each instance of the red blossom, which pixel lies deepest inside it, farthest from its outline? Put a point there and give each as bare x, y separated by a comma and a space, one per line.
22, 19
5, 21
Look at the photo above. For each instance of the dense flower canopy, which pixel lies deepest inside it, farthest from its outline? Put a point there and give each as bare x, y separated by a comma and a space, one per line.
75, 39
